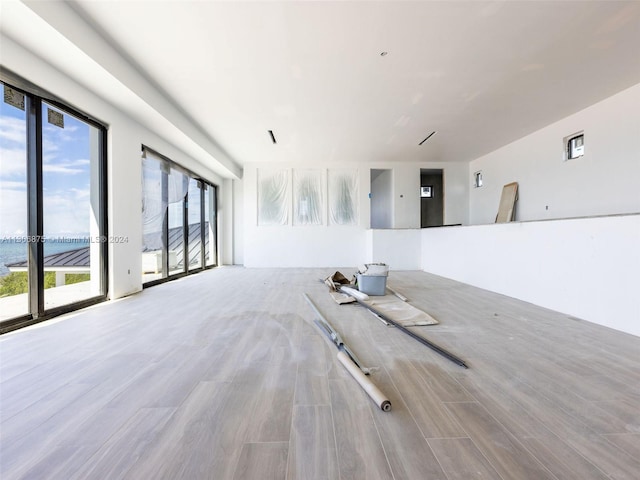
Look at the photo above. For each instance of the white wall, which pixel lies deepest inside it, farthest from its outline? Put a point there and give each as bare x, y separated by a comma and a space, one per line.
455, 179
125, 137
605, 181
334, 246
406, 196
238, 222
301, 246
398, 248
226, 214
587, 267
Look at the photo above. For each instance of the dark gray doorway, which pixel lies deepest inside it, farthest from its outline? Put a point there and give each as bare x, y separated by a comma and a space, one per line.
431, 198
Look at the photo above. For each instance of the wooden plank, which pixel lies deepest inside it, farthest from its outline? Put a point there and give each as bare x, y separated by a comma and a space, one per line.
271, 417
312, 452
59, 461
312, 387
428, 411
205, 434
562, 460
120, 452
506, 209
461, 460
262, 461
627, 442
441, 383
503, 450
360, 451
407, 451
578, 436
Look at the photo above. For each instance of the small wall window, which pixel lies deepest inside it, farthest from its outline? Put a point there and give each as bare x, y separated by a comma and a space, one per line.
574, 146
477, 179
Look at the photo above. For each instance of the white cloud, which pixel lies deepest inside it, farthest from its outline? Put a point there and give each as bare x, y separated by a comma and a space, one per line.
65, 214
10, 185
13, 162
61, 168
49, 147
67, 166
58, 135
81, 192
13, 130
13, 211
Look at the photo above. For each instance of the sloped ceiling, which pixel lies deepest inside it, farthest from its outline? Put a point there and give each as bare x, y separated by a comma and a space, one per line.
480, 74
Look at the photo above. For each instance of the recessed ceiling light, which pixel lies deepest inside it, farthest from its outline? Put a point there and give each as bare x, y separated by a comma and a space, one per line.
428, 137
382, 54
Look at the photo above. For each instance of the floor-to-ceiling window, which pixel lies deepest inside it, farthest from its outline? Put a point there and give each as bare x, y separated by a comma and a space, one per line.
52, 207
14, 301
194, 224
178, 209
178, 184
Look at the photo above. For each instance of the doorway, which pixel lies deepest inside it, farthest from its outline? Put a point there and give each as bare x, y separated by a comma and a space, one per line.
431, 198
381, 198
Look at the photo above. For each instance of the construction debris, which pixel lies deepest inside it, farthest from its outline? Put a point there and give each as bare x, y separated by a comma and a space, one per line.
420, 338
350, 361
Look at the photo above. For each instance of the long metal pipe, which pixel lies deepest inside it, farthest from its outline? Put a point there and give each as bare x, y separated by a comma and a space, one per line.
349, 361
419, 338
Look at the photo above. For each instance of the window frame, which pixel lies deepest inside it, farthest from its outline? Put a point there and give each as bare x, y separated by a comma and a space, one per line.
571, 147
35, 96
168, 164
477, 179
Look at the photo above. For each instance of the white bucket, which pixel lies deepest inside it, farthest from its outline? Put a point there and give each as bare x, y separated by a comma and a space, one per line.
378, 269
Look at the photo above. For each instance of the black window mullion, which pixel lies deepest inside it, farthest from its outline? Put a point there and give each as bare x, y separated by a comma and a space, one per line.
35, 207
103, 214
203, 247
185, 230
165, 220
214, 229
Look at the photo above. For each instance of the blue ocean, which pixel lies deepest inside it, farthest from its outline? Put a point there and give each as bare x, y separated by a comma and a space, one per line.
12, 251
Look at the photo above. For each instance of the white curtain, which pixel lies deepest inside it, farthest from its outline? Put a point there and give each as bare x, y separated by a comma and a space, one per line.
153, 204
308, 197
178, 186
273, 205
343, 197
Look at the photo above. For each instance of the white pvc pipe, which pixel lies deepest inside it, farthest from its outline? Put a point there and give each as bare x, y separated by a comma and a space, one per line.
354, 293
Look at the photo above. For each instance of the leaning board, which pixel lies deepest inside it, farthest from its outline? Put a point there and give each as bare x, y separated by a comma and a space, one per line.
508, 199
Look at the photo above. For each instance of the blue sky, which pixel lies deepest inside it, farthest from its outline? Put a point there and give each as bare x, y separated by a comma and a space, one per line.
66, 175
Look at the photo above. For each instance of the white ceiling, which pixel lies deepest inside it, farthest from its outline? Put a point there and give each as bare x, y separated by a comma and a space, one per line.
481, 74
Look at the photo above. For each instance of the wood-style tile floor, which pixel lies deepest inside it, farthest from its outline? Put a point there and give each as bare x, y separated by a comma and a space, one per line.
222, 375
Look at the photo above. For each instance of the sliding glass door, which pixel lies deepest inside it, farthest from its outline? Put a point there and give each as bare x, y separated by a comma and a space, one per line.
71, 207
194, 224
52, 209
14, 299
178, 183
177, 215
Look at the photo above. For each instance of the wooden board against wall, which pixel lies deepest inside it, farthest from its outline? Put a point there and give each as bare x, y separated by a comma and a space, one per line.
506, 210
